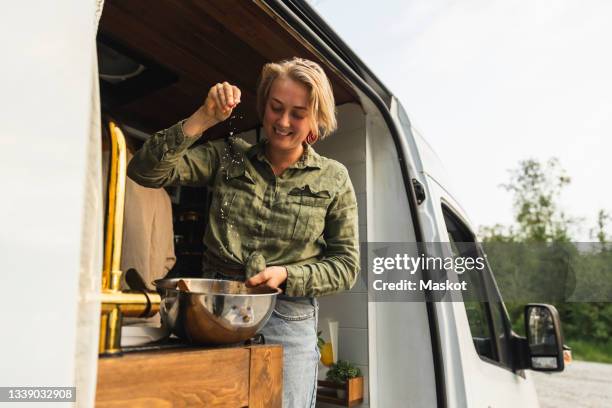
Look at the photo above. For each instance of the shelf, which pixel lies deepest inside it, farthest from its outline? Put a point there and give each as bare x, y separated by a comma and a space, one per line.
231, 376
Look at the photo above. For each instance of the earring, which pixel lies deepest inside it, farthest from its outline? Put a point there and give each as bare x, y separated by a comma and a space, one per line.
311, 138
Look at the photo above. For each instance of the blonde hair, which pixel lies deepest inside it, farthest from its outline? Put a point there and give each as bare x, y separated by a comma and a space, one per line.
321, 105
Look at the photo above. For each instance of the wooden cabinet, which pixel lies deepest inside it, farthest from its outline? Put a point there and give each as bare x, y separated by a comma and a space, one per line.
225, 377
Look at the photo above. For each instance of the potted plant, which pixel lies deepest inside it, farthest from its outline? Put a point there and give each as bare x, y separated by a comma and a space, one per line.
340, 373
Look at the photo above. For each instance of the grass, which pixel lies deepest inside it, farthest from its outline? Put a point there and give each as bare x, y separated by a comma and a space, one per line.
587, 351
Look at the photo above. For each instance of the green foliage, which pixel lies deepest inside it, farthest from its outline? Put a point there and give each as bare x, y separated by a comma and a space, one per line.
541, 264
341, 371
591, 351
498, 233
588, 321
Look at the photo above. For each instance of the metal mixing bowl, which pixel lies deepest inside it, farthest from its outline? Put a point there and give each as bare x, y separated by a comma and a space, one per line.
214, 311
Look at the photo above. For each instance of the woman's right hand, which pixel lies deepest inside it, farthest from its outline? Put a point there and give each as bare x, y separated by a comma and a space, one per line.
221, 101
218, 106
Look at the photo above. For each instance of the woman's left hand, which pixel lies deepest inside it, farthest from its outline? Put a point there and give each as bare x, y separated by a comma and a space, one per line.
272, 277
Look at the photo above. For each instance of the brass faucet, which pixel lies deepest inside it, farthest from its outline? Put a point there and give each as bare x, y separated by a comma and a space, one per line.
115, 303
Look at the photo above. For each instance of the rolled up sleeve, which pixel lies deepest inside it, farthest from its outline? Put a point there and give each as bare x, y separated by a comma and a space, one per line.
339, 267
167, 159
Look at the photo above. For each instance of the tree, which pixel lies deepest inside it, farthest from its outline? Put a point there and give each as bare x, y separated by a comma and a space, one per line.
599, 232
536, 188
536, 254
528, 266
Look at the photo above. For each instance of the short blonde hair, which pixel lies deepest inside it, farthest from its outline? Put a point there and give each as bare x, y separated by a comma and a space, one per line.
322, 107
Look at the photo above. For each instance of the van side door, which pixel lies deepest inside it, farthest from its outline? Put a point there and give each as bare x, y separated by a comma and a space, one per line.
483, 329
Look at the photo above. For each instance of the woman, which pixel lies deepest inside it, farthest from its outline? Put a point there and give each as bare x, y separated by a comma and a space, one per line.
282, 216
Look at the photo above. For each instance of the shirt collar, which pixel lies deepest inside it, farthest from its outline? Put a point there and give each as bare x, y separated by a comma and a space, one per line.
309, 159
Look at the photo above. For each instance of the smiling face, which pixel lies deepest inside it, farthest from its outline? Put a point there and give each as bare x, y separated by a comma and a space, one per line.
287, 118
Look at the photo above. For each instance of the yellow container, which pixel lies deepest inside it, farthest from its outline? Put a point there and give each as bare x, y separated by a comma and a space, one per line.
327, 354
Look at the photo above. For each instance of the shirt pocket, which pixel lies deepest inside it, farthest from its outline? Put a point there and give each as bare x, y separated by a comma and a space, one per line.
310, 206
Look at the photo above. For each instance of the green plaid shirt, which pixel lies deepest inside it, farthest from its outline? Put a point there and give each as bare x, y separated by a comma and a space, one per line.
304, 219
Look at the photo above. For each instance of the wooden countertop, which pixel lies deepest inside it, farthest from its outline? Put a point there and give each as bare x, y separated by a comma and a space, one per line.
246, 376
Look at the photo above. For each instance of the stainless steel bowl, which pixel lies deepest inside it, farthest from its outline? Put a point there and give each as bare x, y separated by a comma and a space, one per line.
214, 311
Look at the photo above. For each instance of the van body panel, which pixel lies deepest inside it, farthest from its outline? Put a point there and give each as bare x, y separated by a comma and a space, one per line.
469, 379
50, 215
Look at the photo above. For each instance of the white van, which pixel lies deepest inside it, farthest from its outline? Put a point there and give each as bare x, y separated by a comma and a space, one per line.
156, 61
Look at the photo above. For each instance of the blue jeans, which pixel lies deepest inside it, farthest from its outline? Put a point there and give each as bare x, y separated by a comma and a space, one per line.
293, 324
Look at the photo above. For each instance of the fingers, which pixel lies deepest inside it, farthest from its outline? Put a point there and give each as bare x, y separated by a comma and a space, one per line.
229, 95
271, 277
222, 97
237, 94
214, 96
258, 279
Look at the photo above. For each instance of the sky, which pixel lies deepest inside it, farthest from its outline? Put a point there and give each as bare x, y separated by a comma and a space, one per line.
491, 82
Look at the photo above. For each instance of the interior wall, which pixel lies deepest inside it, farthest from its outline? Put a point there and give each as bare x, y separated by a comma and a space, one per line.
348, 146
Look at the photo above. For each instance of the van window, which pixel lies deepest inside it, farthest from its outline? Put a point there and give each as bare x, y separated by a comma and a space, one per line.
485, 311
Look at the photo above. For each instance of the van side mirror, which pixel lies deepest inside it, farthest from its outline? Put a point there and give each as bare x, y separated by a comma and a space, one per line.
544, 338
